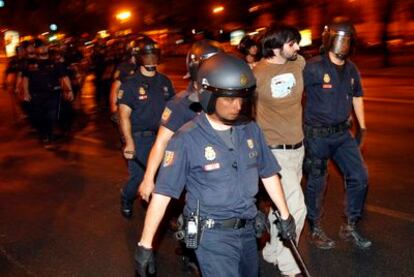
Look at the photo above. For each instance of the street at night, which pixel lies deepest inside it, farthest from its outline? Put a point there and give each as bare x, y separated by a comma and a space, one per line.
60, 208
206, 138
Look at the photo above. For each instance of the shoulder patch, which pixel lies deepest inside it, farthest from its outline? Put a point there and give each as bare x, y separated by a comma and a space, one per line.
168, 158
166, 114
120, 94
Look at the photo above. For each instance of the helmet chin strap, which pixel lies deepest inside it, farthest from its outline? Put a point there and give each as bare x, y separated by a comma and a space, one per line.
341, 56
150, 67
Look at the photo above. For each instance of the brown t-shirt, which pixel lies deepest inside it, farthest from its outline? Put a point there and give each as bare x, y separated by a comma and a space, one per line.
278, 100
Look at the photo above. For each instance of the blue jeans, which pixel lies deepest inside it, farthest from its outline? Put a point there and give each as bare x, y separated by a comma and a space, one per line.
136, 167
344, 151
228, 253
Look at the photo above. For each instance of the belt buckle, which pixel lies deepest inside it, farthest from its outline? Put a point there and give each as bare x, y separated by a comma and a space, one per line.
209, 223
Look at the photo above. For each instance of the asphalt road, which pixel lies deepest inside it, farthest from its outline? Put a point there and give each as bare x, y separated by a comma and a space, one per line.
59, 209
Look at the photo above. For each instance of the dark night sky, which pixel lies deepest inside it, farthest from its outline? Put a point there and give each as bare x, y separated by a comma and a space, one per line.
79, 16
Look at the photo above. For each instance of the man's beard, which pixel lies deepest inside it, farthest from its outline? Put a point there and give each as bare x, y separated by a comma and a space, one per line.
292, 57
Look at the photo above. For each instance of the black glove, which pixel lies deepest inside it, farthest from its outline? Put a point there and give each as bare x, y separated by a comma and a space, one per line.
144, 259
360, 135
287, 228
261, 224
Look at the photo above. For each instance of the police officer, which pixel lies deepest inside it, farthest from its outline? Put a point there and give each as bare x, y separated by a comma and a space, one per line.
178, 111
183, 108
218, 158
43, 82
124, 70
333, 89
141, 100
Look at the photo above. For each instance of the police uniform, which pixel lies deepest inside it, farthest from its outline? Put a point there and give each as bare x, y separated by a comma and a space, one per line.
225, 182
44, 88
146, 96
329, 92
180, 110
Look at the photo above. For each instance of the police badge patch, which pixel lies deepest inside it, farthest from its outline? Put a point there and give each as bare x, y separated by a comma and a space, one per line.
120, 94
168, 158
166, 114
250, 143
141, 91
209, 153
142, 94
326, 78
243, 80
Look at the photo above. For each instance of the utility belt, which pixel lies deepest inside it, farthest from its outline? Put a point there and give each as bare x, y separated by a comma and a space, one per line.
326, 131
145, 133
231, 223
191, 228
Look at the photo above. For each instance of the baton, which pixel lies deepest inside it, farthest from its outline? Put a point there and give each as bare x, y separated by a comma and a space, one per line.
294, 249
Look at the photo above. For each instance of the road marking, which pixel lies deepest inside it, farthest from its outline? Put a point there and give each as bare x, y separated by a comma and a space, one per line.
15, 262
390, 213
390, 100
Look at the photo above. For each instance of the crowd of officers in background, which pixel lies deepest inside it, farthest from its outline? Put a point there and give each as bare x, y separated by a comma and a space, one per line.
45, 81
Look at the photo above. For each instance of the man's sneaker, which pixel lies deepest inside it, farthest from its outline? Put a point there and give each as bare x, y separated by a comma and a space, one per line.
126, 206
348, 232
320, 239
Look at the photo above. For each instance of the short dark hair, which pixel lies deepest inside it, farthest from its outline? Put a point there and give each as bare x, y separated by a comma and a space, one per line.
276, 36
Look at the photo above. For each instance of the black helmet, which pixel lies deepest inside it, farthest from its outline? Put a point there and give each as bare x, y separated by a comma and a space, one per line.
147, 52
339, 38
200, 50
224, 75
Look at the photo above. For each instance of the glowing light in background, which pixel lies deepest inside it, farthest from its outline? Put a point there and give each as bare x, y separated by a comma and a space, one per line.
306, 40
123, 16
53, 27
218, 9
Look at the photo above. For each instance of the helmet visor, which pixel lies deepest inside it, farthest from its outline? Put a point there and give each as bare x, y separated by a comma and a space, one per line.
341, 44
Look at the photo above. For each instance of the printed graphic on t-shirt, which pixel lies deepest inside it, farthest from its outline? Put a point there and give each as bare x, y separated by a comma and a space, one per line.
281, 85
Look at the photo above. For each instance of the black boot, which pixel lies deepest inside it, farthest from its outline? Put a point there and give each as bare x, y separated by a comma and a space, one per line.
127, 206
348, 232
319, 238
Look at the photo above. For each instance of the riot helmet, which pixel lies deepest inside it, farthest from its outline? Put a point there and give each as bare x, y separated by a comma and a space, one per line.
339, 38
147, 52
200, 50
225, 75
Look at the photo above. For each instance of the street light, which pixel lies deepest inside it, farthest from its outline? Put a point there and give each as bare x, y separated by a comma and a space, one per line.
218, 9
123, 16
